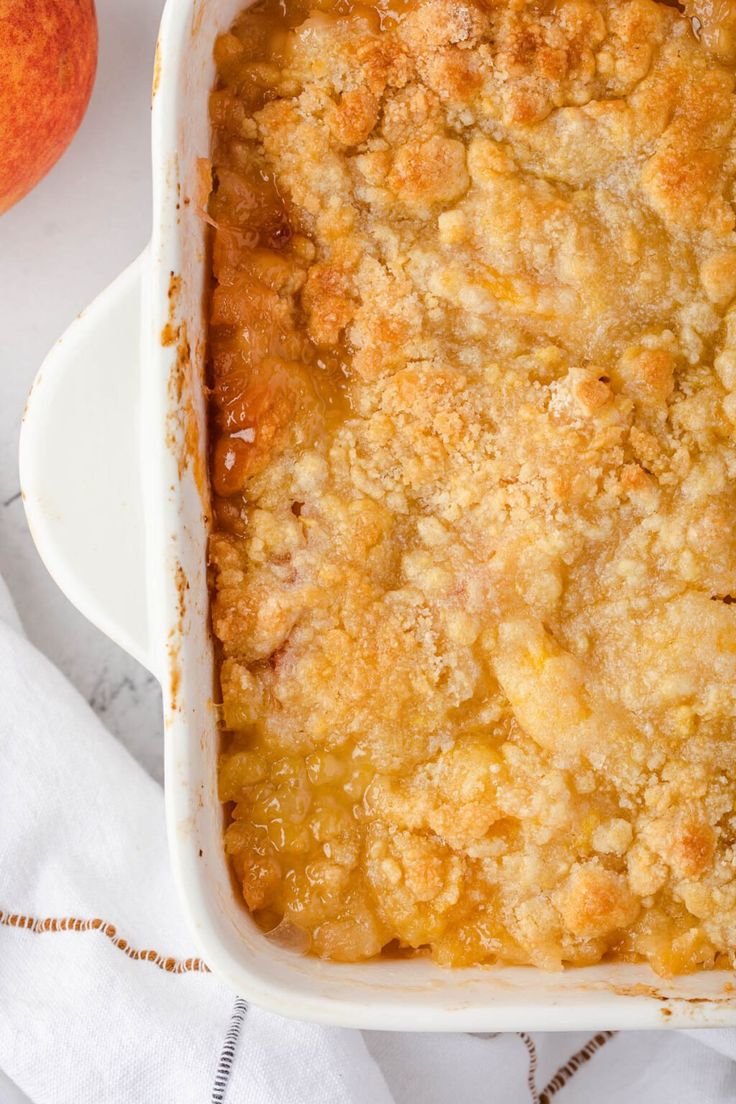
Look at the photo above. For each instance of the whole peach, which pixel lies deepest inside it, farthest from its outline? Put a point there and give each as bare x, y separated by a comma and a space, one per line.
48, 56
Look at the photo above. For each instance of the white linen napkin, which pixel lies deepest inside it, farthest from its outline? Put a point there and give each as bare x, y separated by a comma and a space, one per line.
102, 997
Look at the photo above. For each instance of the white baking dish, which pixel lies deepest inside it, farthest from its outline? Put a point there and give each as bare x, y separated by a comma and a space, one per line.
112, 462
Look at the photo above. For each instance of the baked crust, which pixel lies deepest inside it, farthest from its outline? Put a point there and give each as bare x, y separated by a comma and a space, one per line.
474, 544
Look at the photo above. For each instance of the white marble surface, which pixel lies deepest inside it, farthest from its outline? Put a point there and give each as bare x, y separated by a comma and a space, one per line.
58, 247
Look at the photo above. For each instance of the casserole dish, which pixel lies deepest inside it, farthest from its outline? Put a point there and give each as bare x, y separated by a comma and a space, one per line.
120, 518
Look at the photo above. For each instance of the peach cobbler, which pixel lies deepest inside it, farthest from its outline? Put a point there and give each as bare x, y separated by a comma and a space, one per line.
473, 386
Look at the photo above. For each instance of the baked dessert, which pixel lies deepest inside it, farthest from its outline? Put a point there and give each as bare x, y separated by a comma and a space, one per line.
473, 385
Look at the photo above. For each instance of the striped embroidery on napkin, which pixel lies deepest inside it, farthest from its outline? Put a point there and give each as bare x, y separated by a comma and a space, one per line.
225, 1065
565, 1072
74, 923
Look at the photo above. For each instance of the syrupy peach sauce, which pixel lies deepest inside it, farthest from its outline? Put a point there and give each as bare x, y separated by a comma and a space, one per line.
472, 348
267, 375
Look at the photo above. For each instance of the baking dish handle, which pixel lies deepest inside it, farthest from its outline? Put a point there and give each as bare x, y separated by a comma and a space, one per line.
80, 465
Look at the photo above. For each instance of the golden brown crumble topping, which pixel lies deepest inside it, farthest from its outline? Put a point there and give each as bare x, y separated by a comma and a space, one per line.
473, 351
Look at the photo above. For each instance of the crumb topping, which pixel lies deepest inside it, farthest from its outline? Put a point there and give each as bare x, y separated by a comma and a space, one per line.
473, 347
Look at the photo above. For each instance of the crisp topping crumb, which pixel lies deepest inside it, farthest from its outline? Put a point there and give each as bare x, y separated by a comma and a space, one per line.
473, 347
